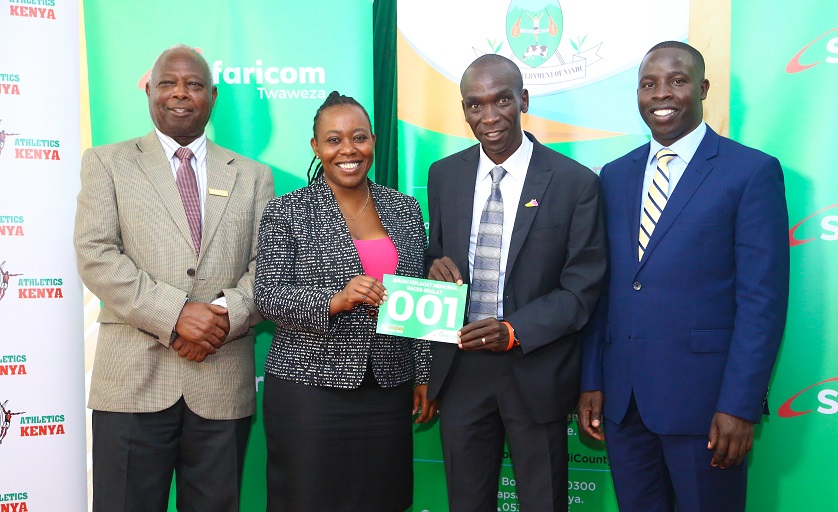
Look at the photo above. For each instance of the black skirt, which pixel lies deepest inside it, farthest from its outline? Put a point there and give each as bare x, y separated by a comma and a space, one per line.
335, 450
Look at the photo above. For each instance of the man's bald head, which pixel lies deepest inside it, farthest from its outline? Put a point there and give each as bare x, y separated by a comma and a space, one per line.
181, 48
496, 65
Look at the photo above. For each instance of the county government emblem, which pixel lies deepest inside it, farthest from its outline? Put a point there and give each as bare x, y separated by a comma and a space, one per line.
559, 45
534, 30
534, 33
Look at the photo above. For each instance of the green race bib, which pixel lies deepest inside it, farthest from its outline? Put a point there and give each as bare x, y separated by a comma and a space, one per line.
421, 308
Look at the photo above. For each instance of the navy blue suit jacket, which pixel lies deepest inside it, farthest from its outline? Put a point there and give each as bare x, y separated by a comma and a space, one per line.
554, 269
694, 327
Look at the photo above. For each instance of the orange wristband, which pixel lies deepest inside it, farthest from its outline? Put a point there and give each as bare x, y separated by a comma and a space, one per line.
512, 341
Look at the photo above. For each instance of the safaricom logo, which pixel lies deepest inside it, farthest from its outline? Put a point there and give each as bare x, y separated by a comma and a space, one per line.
828, 228
827, 398
830, 47
291, 81
260, 74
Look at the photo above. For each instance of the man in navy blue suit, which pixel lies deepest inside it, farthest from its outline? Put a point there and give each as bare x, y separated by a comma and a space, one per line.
677, 359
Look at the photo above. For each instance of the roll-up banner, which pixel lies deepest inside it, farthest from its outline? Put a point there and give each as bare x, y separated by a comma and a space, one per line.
42, 420
579, 61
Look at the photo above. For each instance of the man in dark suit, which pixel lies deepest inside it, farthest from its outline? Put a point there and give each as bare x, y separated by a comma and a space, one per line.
523, 225
685, 336
165, 236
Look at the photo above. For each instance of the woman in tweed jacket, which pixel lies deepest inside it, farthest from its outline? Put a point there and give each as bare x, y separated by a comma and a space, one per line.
339, 397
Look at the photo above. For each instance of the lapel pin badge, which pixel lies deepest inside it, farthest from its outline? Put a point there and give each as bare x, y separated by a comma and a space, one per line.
218, 192
532, 204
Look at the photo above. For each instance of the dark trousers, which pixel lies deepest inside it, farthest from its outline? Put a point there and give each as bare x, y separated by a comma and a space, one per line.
662, 473
479, 407
135, 454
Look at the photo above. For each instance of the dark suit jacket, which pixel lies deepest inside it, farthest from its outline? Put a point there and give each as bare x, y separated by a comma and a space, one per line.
694, 327
555, 267
305, 256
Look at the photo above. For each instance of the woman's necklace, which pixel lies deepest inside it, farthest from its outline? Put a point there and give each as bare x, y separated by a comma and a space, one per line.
362, 208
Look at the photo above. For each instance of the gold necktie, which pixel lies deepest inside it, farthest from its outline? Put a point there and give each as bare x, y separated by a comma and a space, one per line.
655, 200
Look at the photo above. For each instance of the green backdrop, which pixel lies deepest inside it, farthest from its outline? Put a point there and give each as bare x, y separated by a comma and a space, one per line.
791, 115
778, 104
269, 125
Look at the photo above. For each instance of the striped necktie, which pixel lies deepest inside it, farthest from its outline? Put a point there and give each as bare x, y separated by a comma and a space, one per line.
655, 200
486, 276
187, 185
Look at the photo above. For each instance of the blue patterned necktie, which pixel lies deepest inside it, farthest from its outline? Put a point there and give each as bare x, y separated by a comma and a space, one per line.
486, 275
655, 200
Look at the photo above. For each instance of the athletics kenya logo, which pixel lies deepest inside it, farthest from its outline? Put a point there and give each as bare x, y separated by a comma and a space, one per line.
7, 419
827, 400
3, 136
826, 50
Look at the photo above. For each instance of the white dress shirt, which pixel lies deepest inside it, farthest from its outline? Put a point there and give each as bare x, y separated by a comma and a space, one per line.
510, 188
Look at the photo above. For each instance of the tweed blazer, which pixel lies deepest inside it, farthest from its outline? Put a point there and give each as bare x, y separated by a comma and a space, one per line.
134, 251
306, 255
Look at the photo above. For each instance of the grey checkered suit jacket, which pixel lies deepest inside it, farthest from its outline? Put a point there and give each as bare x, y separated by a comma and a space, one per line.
135, 253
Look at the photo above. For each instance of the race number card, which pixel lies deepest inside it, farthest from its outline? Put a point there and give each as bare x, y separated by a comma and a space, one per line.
421, 308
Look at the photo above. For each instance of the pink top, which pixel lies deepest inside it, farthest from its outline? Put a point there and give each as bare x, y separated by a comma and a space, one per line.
378, 256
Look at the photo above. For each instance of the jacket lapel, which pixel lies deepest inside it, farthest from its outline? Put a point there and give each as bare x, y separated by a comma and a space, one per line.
538, 177
463, 197
695, 173
158, 170
333, 221
220, 176
638, 196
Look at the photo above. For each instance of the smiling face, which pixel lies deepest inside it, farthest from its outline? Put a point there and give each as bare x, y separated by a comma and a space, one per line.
180, 95
669, 93
493, 100
345, 145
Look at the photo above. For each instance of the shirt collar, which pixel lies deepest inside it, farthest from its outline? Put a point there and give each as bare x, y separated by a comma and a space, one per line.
198, 146
685, 147
516, 165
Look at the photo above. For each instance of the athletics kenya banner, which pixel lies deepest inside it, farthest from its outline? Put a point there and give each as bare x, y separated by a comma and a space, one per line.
273, 62
579, 61
42, 421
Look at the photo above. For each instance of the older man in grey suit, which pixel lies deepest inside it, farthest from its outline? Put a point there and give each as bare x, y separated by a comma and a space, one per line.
166, 237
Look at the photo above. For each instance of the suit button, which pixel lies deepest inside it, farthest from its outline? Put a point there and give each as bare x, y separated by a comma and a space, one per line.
637, 286
191, 272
